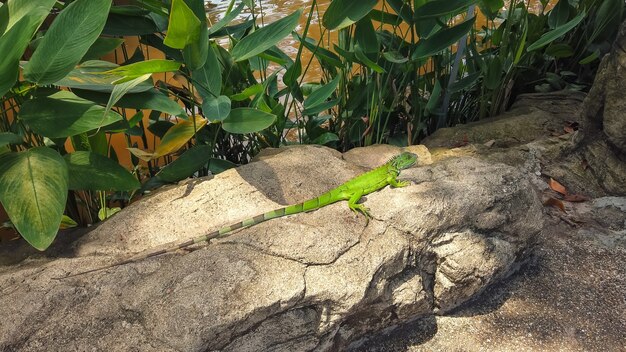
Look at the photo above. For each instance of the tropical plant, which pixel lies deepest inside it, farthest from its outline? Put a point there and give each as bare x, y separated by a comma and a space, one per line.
62, 106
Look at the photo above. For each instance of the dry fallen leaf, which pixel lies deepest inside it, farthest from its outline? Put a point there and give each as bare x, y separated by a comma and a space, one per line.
568, 129
490, 143
557, 187
575, 198
554, 203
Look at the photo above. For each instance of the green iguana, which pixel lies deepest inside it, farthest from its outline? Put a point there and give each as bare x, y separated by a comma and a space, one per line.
352, 191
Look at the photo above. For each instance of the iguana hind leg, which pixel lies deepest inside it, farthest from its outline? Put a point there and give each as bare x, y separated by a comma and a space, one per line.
358, 208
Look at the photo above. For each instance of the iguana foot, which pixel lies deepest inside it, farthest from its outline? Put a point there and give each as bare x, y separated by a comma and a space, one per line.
360, 208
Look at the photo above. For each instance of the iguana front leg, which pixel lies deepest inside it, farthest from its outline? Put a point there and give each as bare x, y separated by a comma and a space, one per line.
393, 182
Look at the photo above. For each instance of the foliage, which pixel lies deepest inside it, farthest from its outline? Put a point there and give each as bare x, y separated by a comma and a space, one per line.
213, 96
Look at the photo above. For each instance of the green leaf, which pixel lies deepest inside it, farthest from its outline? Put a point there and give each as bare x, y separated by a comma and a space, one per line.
320, 107
101, 47
325, 138
247, 120
362, 57
559, 50
105, 213
595, 55
138, 69
494, 74
439, 8
178, 136
248, 92
94, 172
216, 109
556, 33
395, 57
33, 191
7, 138
559, 14
219, 165
266, 37
120, 89
433, 100
24, 17
442, 39
16, 10
195, 53
71, 34
403, 9
320, 95
150, 99
184, 26
227, 19
124, 25
64, 114
365, 36
385, 17
607, 20
342, 13
208, 79
89, 76
186, 164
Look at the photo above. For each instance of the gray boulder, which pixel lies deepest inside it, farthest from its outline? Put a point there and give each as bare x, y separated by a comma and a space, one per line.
308, 282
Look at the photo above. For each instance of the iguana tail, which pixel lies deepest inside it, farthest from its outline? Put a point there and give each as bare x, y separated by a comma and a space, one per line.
309, 205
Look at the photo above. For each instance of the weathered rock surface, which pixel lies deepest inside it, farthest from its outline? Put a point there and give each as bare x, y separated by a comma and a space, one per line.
314, 281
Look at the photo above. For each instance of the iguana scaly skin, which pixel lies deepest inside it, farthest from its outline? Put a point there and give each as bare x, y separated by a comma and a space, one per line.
352, 191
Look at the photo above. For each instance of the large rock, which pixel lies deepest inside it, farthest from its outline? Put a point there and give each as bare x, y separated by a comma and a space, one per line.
606, 102
307, 282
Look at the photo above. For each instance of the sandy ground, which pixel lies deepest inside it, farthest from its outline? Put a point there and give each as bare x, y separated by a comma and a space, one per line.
570, 296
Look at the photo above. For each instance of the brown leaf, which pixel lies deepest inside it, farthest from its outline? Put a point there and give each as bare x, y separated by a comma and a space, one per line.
568, 129
575, 198
490, 143
553, 202
557, 187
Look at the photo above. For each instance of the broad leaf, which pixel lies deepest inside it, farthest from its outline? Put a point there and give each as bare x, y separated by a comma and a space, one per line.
15, 10
122, 88
247, 120
266, 37
320, 95
439, 8
89, 76
24, 17
556, 33
186, 164
178, 136
66, 42
195, 53
33, 191
138, 69
342, 13
101, 47
216, 109
64, 114
7, 138
150, 99
184, 26
208, 79
94, 172
227, 19
442, 39
248, 92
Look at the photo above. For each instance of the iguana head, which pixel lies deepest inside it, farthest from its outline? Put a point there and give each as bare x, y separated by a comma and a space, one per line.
403, 160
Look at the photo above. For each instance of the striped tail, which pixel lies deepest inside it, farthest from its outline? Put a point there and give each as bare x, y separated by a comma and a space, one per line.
309, 205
